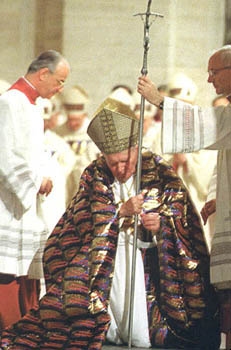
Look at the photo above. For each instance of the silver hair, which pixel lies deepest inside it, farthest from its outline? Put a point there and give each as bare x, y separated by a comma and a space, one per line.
47, 59
224, 53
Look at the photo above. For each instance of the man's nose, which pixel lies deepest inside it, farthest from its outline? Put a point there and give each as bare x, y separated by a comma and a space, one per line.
120, 167
210, 79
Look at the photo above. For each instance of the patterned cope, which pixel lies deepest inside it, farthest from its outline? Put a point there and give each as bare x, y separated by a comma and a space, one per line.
79, 260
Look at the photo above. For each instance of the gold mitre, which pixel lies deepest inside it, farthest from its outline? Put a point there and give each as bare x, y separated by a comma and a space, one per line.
114, 127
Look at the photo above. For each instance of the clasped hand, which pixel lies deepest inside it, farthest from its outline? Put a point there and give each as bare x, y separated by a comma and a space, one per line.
46, 186
151, 221
208, 209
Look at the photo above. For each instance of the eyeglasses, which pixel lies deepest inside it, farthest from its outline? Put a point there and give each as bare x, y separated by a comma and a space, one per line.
60, 82
213, 72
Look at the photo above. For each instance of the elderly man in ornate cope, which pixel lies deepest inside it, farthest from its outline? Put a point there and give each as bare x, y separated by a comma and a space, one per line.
87, 258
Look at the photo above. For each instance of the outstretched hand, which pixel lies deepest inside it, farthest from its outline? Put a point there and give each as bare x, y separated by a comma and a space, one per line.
149, 91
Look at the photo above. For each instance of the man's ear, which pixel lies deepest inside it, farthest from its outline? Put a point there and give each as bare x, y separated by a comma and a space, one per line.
43, 72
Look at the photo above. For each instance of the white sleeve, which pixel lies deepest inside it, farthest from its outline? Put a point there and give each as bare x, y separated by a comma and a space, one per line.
15, 173
188, 128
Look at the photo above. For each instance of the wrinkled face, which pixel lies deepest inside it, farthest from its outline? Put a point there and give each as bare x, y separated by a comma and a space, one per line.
219, 75
75, 121
123, 164
53, 83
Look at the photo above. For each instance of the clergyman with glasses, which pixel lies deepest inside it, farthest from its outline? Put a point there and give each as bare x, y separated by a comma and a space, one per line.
189, 128
23, 180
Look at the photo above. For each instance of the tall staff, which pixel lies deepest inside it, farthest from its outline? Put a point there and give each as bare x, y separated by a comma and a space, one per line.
144, 71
